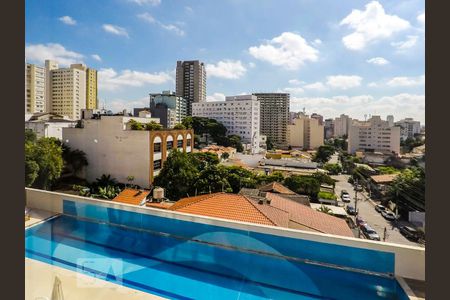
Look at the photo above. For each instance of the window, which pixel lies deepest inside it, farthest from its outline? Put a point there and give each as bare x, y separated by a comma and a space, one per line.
157, 147
169, 145
157, 164
180, 144
188, 142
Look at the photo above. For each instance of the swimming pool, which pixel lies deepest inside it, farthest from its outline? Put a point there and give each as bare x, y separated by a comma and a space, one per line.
177, 267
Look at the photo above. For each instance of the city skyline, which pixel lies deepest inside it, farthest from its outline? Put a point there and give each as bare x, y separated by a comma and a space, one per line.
331, 61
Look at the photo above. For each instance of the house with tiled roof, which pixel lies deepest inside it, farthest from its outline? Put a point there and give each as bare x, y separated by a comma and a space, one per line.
379, 184
132, 196
277, 188
273, 209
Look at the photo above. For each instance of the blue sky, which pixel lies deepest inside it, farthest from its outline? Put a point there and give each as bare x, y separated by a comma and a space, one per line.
333, 57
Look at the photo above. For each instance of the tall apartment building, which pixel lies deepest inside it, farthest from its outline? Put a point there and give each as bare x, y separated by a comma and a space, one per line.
318, 117
239, 114
191, 82
274, 117
34, 89
373, 135
112, 147
390, 119
66, 89
168, 107
408, 128
306, 133
91, 89
342, 125
328, 128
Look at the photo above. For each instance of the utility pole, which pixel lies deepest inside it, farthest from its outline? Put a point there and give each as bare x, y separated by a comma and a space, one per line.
356, 207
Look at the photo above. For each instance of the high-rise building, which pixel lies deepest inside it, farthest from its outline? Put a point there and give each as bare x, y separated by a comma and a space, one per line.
274, 117
390, 119
34, 89
91, 89
67, 89
306, 133
328, 128
50, 65
168, 107
191, 82
342, 125
408, 128
373, 135
318, 117
239, 114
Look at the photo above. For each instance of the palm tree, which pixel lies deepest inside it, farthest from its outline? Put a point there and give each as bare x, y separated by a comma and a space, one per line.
325, 210
130, 179
106, 180
76, 159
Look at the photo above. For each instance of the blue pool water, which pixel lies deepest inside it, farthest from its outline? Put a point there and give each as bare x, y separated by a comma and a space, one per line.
178, 268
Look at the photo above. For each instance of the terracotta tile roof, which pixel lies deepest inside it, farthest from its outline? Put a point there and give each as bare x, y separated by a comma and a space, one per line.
162, 205
386, 178
307, 217
131, 196
276, 187
222, 205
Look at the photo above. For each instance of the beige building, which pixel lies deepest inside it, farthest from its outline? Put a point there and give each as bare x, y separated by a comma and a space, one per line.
373, 135
91, 89
191, 82
342, 125
67, 89
306, 133
274, 117
34, 89
112, 147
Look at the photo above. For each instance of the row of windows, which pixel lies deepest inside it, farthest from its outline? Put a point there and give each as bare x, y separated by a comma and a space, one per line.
169, 145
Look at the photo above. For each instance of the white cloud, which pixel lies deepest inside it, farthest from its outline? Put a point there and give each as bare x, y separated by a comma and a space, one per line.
371, 25
114, 29
144, 2
251, 64
96, 57
295, 82
68, 20
344, 82
188, 9
410, 42
118, 105
406, 81
380, 61
421, 18
372, 84
288, 50
292, 90
216, 97
169, 27
317, 86
404, 105
317, 42
228, 69
38, 53
110, 80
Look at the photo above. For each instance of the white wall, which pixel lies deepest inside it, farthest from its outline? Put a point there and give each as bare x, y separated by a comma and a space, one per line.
112, 150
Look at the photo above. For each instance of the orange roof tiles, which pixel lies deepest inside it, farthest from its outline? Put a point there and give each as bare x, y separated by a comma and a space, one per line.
221, 205
162, 205
386, 178
310, 218
131, 196
276, 187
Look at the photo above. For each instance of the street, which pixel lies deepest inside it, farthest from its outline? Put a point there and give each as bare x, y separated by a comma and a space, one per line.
367, 211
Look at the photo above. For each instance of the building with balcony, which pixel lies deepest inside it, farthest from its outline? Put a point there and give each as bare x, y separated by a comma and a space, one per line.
408, 128
168, 107
191, 82
342, 125
35, 81
374, 135
306, 133
112, 147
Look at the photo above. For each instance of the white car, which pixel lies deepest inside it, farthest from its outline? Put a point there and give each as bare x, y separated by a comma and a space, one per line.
388, 215
346, 198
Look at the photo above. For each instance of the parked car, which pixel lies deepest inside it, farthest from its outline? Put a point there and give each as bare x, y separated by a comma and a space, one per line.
351, 210
344, 192
410, 233
360, 221
358, 188
346, 198
369, 233
380, 208
388, 215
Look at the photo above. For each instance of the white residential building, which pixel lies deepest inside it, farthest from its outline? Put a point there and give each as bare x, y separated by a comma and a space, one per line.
112, 147
34, 89
239, 114
306, 133
408, 128
48, 125
342, 125
390, 119
66, 89
373, 135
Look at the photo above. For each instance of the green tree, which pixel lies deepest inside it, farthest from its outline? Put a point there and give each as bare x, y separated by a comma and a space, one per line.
31, 166
408, 190
105, 180
306, 185
235, 142
202, 160
178, 175
325, 210
269, 144
179, 126
47, 155
238, 177
324, 153
225, 155
134, 125
153, 126
75, 160
387, 170
334, 169
212, 180
265, 179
